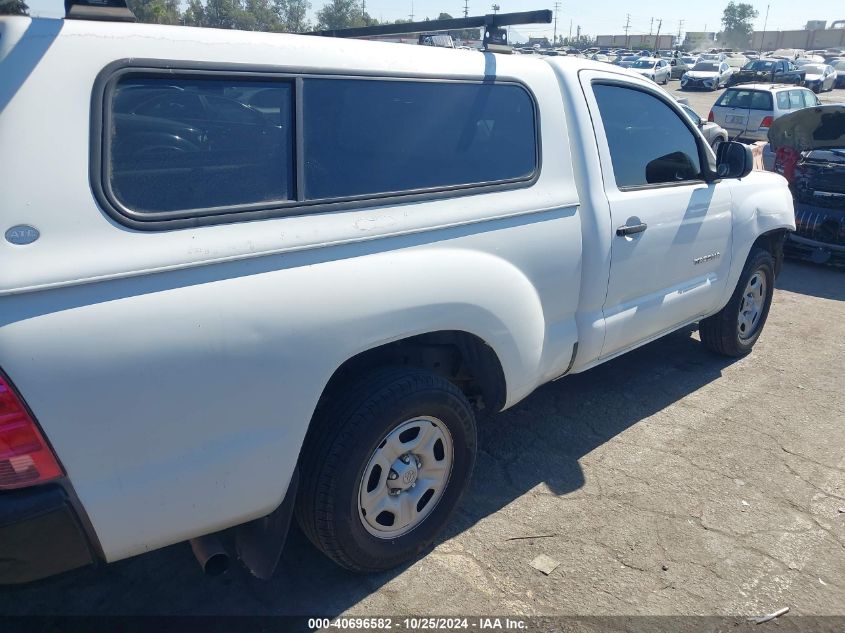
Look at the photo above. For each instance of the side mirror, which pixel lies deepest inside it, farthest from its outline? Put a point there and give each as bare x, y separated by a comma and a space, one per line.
734, 160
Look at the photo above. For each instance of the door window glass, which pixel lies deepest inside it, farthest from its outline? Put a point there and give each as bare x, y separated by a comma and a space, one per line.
649, 142
810, 100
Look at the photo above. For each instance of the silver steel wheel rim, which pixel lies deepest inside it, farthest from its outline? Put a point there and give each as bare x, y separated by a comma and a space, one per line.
751, 306
405, 477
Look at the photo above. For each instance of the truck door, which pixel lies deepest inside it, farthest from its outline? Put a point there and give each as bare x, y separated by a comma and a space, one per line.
671, 242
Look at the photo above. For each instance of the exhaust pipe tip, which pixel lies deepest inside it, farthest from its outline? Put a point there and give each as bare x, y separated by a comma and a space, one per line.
210, 554
216, 565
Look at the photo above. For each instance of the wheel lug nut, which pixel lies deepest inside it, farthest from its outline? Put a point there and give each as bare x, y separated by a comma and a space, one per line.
392, 475
406, 459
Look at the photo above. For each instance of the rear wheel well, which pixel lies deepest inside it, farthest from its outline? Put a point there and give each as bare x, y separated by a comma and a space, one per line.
772, 241
462, 358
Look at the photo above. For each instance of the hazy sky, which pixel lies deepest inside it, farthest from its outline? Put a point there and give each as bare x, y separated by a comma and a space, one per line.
603, 17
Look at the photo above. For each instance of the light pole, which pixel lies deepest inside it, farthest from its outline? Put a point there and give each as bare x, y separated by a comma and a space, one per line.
496, 8
765, 24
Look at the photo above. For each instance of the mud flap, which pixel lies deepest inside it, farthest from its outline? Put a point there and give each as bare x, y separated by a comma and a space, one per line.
259, 543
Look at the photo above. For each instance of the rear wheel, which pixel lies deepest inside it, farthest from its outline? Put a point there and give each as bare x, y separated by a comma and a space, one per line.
734, 330
384, 467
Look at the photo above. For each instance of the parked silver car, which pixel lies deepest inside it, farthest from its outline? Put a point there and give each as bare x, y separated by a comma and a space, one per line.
626, 61
707, 75
748, 110
658, 70
820, 77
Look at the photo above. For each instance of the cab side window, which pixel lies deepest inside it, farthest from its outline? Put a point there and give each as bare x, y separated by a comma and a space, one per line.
648, 141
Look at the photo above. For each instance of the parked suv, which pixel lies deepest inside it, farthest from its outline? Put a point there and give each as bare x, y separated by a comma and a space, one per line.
747, 111
251, 275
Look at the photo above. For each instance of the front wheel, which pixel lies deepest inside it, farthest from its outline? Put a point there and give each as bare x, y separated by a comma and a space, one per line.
734, 330
384, 467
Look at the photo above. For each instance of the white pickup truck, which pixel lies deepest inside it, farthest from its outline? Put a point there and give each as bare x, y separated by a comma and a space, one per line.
246, 276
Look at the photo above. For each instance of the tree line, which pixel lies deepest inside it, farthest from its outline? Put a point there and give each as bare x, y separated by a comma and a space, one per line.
248, 15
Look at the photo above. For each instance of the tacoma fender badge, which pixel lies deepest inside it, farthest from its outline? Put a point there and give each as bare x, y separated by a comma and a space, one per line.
706, 258
22, 234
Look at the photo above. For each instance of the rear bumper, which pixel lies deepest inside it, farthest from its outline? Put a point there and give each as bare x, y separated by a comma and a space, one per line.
40, 535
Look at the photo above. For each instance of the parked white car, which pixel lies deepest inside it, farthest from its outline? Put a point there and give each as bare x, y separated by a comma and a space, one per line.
810, 59
249, 274
708, 75
820, 77
658, 70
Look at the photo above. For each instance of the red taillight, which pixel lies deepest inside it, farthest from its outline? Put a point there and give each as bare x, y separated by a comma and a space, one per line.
767, 122
25, 458
710, 117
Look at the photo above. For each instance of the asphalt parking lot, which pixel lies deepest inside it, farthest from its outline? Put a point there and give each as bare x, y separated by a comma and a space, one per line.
668, 481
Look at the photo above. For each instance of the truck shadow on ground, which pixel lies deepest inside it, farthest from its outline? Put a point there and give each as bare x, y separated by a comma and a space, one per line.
537, 442
815, 280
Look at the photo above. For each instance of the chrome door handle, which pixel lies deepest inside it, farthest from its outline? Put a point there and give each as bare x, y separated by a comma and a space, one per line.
630, 230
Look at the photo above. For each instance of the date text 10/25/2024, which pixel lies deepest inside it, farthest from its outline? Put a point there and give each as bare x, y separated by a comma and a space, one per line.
418, 624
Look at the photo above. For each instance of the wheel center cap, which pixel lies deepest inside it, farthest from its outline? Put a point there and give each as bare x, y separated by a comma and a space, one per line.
406, 476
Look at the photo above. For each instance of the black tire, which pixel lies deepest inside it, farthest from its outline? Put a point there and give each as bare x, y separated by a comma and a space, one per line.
343, 437
719, 333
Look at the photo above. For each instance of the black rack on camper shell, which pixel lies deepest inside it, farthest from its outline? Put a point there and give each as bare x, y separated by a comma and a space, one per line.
495, 35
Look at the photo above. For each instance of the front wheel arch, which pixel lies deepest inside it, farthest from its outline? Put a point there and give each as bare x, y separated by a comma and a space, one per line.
772, 241
735, 329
